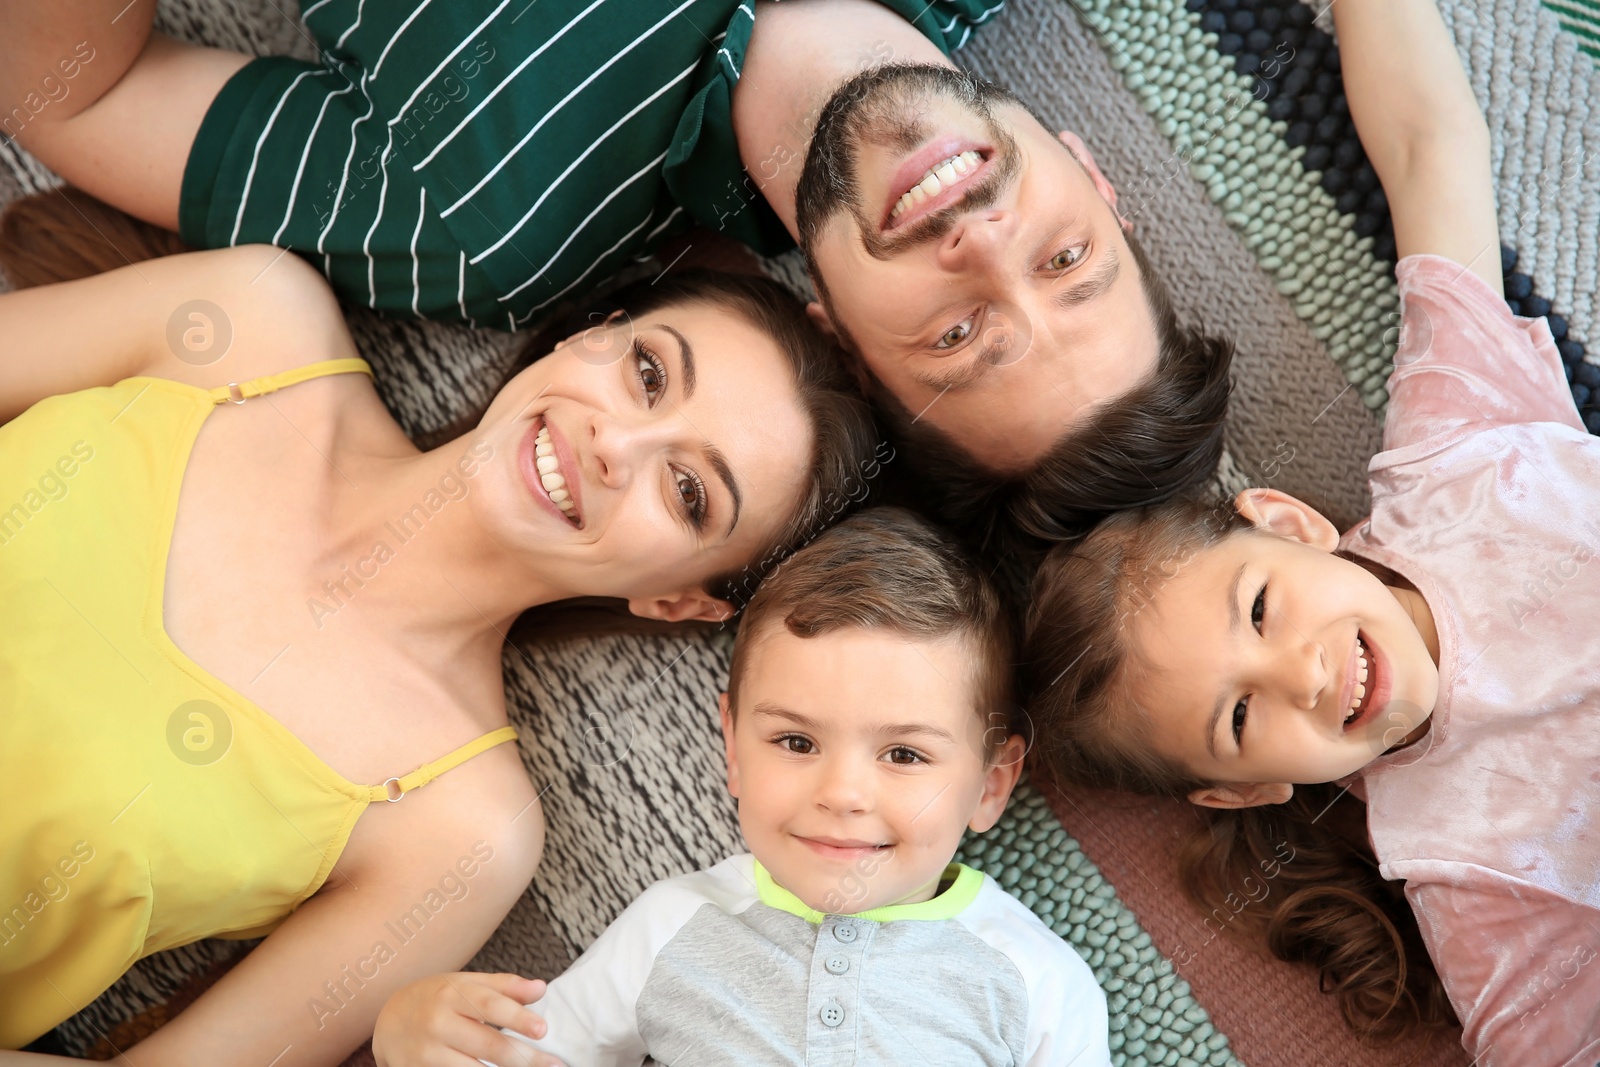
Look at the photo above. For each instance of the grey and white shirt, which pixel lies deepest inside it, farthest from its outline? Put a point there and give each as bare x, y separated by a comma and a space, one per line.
724, 966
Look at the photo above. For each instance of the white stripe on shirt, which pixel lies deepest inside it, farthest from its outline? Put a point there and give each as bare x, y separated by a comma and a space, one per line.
504, 82
640, 106
559, 105
409, 20
344, 178
603, 255
445, 62
255, 156
651, 236
299, 171
352, 27
641, 172
416, 287
366, 243
308, 11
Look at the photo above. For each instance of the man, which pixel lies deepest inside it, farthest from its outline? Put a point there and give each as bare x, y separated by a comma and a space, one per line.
480, 161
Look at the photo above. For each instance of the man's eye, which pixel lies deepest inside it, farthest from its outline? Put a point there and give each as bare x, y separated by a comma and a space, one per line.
1258, 610
1067, 257
955, 334
1239, 710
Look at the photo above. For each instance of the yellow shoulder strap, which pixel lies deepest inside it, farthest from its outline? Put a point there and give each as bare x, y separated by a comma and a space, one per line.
239, 392
394, 788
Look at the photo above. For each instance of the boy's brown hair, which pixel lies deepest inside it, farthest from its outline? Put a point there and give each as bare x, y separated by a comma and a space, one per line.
887, 568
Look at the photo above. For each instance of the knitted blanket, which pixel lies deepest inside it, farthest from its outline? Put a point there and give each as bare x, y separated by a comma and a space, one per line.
1221, 122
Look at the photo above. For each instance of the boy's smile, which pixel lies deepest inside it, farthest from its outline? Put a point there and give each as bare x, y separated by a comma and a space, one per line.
859, 759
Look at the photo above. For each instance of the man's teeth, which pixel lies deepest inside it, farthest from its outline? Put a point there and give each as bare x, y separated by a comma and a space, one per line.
550, 471
939, 177
1363, 668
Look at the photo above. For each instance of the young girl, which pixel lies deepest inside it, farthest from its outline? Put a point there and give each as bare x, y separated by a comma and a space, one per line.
1439, 661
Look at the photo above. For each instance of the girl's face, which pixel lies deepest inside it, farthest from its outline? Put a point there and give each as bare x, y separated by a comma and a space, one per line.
641, 458
1269, 660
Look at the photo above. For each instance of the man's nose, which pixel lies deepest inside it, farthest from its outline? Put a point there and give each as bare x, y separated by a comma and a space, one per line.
978, 240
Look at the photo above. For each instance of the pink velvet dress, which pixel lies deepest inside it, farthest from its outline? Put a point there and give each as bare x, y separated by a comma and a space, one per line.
1487, 498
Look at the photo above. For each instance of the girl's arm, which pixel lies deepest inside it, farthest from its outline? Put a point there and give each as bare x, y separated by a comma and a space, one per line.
1422, 129
205, 318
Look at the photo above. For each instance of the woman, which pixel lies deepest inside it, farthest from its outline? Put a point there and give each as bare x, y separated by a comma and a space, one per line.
244, 608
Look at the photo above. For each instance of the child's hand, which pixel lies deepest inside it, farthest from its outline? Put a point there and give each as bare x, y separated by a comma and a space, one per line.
439, 1021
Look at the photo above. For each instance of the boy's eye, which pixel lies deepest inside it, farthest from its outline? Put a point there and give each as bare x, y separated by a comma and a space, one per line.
955, 334
800, 746
904, 757
1239, 711
1258, 610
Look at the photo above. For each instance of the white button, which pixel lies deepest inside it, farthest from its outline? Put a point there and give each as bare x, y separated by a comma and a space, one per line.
831, 1015
836, 964
844, 932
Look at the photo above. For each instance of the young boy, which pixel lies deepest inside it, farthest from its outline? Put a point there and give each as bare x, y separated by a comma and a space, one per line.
866, 728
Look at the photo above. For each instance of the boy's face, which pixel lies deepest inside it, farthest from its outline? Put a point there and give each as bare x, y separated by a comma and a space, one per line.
858, 760
1267, 659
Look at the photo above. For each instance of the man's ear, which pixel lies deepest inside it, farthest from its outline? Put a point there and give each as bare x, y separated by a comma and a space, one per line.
1288, 517
693, 604
1242, 794
732, 756
1102, 184
998, 781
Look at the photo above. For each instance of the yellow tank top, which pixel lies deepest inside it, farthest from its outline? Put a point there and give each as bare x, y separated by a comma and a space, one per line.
143, 803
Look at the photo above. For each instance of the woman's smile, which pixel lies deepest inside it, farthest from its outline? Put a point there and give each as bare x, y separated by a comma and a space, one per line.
550, 471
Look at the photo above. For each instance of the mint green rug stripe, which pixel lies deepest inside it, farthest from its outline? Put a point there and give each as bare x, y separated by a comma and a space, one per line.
1222, 132
1155, 1018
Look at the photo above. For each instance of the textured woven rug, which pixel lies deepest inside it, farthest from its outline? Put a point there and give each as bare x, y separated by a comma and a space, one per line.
1221, 122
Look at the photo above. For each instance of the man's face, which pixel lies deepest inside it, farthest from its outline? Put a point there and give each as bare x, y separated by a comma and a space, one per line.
998, 300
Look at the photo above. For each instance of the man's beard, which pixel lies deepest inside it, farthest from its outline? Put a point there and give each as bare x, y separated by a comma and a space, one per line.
884, 106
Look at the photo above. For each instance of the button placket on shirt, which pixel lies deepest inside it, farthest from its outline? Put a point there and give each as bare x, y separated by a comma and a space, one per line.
837, 955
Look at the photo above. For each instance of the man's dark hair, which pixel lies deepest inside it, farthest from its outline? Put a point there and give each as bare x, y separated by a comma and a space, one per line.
1147, 446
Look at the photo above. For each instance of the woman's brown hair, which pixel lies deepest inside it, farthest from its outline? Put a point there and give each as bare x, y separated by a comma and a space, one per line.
1335, 911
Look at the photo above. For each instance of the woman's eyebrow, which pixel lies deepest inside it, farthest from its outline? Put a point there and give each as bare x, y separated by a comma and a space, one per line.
685, 358
713, 454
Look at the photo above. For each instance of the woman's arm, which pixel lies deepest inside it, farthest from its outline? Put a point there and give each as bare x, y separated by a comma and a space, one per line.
1422, 129
309, 994
205, 318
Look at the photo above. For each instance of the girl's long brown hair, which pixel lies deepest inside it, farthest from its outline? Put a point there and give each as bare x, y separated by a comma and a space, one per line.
1330, 907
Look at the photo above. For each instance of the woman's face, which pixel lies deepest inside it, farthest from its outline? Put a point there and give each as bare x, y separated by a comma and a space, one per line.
642, 457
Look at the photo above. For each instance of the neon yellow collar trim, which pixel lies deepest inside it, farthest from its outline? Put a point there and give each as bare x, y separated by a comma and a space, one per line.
947, 905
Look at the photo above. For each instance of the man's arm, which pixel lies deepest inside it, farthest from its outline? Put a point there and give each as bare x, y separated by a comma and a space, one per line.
106, 104
1422, 129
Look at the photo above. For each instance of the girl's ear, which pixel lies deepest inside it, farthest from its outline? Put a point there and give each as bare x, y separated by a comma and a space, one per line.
1288, 517
1242, 794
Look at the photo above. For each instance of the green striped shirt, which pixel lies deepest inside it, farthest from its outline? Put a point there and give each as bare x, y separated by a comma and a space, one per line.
474, 161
